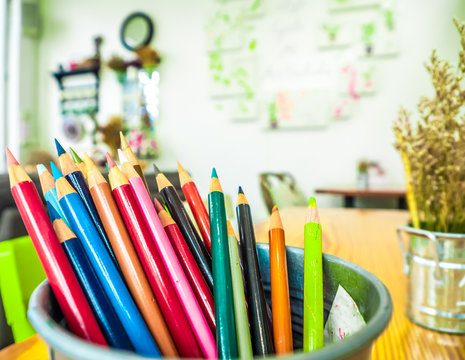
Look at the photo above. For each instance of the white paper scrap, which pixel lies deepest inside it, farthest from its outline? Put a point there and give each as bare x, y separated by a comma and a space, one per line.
344, 317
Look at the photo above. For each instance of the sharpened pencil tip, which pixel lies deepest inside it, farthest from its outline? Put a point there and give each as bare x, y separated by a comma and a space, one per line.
240, 190
11, 160
111, 163
158, 207
60, 150
156, 169
275, 208
122, 157
53, 214
88, 161
124, 142
41, 168
75, 156
55, 172
214, 174
312, 202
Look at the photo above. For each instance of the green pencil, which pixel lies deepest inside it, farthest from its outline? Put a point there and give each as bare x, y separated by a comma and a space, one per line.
223, 291
78, 161
244, 342
313, 281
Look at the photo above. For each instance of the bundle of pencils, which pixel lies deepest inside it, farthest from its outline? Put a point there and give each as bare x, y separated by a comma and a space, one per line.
134, 274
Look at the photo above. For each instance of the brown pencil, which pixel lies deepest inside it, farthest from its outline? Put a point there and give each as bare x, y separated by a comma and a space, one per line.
128, 259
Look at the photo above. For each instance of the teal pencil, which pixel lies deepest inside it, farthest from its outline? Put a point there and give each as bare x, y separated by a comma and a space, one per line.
221, 268
244, 341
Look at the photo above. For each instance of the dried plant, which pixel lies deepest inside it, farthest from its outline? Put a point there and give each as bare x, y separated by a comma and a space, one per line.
433, 148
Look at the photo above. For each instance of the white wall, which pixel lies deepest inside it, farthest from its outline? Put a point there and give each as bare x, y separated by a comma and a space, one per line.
200, 137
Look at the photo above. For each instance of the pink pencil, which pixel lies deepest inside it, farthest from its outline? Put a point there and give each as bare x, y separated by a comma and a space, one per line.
191, 307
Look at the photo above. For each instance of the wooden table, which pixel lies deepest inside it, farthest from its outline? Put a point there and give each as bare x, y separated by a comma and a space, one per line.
350, 193
367, 238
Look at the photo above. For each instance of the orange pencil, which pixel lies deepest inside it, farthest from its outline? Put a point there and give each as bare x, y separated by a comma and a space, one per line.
128, 259
282, 328
196, 204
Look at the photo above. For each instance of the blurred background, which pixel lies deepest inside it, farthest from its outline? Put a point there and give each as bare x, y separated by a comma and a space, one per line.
308, 89
286, 98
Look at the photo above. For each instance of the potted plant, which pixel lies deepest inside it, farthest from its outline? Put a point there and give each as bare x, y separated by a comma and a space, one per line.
368, 32
332, 31
363, 167
432, 149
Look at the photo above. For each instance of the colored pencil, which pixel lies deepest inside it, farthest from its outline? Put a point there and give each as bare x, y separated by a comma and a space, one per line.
109, 323
76, 179
313, 281
164, 291
127, 258
262, 340
49, 190
280, 303
244, 342
192, 271
126, 149
223, 290
63, 282
188, 231
191, 307
108, 275
79, 163
196, 205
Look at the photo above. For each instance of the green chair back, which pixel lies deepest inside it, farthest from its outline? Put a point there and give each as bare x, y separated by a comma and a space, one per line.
20, 273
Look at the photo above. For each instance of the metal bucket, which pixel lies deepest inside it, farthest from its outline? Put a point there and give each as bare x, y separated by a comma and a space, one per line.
435, 266
368, 292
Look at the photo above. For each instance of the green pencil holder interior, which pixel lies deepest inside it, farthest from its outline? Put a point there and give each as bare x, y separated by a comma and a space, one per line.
368, 292
20, 273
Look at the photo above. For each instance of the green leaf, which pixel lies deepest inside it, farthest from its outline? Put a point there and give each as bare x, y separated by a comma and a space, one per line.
253, 44
256, 5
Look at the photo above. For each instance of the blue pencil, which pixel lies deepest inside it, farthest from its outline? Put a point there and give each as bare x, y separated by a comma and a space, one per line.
114, 332
76, 179
105, 269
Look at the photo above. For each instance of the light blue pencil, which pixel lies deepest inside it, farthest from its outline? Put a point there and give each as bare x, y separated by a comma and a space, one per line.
49, 190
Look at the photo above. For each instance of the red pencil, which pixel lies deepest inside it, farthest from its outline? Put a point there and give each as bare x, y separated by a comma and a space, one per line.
60, 275
190, 267
196, 205
153, 264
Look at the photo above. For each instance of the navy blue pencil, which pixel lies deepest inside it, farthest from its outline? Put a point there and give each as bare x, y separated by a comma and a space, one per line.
109, 323
77, 180
82, 225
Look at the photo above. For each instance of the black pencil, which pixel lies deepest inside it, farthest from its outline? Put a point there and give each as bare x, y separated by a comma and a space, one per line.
189, 232
262, 339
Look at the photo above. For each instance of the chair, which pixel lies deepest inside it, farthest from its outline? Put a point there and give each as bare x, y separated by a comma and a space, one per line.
280, 189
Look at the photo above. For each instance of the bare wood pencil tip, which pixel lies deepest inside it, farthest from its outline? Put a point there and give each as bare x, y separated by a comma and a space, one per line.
275, 219
124, 142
